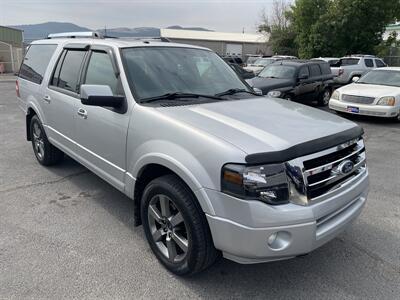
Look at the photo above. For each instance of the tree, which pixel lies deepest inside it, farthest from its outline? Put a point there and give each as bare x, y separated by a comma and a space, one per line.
276, 24
340, 27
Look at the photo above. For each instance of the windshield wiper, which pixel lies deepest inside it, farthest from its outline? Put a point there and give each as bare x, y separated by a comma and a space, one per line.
178, 95
235, 91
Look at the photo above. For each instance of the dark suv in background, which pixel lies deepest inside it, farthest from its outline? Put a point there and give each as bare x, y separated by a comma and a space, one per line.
297, 80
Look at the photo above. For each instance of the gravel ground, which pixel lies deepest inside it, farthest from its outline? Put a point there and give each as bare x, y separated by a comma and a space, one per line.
65, 233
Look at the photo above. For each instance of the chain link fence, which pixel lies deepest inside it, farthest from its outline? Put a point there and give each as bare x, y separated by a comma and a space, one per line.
392, 61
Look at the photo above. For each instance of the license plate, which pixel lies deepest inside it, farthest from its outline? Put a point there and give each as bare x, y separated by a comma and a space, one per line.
353, 109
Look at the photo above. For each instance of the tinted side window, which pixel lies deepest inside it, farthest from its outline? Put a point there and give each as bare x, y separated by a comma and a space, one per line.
70, 70
315, 70
304, 72
369, 63
379, 63
35, 62
100, 71
325, 68
349, 61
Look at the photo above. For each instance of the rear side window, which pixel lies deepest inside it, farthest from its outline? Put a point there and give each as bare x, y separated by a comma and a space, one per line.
66, 74
100, 71
348, 61
325, 68
369, 63
304, 72
379, 63
35, 62
315, 70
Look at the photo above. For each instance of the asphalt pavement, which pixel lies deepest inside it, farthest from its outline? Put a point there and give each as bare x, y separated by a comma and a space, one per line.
65, 233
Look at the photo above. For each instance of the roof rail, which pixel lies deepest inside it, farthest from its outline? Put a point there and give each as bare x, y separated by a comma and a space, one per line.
143, 38
78, 34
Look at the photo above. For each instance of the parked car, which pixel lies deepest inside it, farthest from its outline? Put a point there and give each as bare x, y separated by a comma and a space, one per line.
211, 166
234, 60
377, 93
332, 61
353, 67
296, 80
245, 74
252, 58
260, 64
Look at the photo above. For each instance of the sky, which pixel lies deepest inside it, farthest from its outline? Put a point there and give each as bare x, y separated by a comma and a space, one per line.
219, 15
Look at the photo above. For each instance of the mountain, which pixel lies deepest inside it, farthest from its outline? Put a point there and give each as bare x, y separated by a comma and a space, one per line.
39, 31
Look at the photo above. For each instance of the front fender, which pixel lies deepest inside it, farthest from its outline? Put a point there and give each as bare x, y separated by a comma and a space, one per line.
188, 168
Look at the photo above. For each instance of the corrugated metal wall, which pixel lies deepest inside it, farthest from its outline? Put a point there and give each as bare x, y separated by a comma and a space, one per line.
11, 36
220, 46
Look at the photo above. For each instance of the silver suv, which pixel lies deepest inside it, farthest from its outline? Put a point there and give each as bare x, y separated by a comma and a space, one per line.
351, 68
212, 167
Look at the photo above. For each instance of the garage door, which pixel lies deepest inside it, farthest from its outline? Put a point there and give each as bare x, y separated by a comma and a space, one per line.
234, 49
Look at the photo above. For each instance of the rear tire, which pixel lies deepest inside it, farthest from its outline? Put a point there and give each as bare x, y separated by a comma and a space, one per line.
45, 153
323, 99
175, 227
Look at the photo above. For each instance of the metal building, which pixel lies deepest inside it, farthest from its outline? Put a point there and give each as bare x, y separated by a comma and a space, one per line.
224, 43
11, 43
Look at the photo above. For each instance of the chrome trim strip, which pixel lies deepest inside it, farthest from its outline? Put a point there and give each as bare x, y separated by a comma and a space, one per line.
86, 149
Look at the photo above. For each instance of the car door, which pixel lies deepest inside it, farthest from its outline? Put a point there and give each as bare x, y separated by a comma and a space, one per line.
304, 84
62, 97
101, 131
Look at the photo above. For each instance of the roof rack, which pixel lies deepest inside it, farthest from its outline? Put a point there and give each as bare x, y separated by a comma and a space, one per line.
78, 34
143, 38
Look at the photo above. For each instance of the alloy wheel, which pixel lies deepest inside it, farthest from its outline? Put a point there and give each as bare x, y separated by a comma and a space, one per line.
38, 141
168, 228
325, 97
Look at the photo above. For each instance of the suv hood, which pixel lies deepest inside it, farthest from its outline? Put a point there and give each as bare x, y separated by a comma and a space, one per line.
269, 84
259, 124
370, 90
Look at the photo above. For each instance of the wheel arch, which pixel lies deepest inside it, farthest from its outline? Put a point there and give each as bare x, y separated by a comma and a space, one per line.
150, 169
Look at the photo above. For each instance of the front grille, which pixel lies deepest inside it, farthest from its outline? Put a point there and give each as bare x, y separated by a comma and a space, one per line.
358, 99
316, 175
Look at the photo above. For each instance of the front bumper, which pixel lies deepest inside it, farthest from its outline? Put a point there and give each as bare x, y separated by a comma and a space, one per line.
366, 110
241, 229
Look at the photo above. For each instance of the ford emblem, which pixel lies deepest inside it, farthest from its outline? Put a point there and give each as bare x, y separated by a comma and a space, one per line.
345, 167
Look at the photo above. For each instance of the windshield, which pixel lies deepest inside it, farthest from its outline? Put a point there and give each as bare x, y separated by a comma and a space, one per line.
155, 71
278, 71
251, 60
381, 77
264, 61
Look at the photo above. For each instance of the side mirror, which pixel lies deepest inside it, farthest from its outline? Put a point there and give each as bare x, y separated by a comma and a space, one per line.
99, 95
258, 91
355, 79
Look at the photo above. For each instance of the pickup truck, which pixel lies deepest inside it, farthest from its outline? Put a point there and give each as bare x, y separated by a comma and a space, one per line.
351, 68
212, 167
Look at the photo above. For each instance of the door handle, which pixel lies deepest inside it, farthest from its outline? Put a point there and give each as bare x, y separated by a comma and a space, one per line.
82, 112
47, 98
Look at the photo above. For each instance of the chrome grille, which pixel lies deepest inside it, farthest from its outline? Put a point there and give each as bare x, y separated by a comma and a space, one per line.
314, 176
358, 99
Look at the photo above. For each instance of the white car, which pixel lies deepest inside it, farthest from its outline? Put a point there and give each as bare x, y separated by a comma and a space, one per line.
377, 93
260, 64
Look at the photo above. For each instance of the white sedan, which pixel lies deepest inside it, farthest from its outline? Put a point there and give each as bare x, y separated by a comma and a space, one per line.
377, 93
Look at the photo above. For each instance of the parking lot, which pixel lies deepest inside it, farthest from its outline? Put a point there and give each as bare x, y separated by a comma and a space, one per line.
65, 233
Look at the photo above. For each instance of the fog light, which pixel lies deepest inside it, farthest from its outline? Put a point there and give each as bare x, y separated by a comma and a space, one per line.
279, 240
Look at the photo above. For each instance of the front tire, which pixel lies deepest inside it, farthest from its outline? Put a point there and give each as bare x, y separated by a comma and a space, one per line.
45, 153
176, 227
324, 98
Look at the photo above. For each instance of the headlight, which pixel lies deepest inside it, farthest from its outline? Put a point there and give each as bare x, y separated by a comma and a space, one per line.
274, 94
267, 183
388, 101
335, 95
